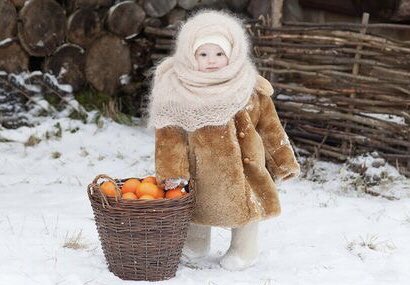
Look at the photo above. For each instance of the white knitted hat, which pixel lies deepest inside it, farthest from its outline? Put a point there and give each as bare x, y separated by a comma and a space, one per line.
216, 39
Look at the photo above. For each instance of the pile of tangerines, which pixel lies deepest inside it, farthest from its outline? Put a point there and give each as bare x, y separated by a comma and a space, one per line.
141, 189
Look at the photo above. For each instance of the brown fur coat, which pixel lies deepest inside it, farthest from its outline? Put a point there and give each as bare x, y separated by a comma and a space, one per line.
233, 167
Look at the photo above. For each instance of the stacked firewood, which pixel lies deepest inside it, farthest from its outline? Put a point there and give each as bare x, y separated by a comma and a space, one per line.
96, 42
79, 41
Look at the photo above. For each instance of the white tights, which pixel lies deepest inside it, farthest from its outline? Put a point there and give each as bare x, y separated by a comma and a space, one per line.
241, 254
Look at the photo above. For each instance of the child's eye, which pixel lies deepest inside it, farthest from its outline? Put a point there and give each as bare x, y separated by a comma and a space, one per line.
202, 54
220, 54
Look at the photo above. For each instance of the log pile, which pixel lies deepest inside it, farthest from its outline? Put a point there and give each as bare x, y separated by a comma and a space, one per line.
90, 42
93, 44
79, 41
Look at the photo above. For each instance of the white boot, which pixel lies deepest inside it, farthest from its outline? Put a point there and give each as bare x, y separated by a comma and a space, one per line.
198, 242
243, 251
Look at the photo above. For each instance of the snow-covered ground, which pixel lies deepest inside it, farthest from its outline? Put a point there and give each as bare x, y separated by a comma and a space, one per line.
328, 233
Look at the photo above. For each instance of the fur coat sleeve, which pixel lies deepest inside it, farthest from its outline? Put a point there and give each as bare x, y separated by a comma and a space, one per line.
171, 153
280, 159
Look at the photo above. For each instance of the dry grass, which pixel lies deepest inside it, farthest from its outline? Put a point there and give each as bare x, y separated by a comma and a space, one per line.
371, 242
32, 141
75, 241
55, 154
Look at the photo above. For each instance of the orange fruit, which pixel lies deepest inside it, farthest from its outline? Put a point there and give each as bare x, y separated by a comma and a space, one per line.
108, 189
130, 185
148, 188
150, 179
175, 193
129, 196
147, 197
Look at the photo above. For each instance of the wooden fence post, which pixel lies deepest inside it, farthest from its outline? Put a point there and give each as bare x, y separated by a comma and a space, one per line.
355, 71
276, 7
277, 13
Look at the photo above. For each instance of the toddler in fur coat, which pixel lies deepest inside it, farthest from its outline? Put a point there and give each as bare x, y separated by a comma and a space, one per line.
216, 125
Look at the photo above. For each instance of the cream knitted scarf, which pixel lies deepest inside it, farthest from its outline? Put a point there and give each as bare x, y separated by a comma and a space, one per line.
184, 96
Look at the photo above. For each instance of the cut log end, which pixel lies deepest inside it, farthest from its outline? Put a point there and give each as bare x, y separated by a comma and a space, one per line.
13, 58
67, 65
8, 20
159, 8
125, 19
83, 27
42, 26
107, 60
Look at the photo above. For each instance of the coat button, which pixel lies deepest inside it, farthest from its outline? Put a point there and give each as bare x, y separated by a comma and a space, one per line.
242, 135
246, 160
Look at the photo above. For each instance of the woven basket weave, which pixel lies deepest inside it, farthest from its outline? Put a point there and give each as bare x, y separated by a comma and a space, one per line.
141, 239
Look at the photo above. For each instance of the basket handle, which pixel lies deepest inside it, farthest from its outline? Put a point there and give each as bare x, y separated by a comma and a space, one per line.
95, 184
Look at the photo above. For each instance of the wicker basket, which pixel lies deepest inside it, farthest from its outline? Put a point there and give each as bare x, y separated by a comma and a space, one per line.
141, 239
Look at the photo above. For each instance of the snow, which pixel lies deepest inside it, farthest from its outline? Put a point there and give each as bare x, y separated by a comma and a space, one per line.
5, 41
388, 118
63, 87
131, 36
21, 80
299, 96
62, 72
36, 73
328, 232
125, 79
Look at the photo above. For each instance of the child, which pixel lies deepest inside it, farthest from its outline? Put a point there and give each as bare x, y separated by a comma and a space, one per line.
215, 123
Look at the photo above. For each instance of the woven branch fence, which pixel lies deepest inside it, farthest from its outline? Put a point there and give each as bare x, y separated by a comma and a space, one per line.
340, 90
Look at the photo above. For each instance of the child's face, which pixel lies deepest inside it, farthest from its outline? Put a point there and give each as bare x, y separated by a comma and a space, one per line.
210, 57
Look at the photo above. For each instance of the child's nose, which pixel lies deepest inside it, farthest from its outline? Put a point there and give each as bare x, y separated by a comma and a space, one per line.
211, 59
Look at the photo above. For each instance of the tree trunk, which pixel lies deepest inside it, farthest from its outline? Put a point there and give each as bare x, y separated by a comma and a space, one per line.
8, 20
107, 60
13, 58
125, 19
42, 27
83, 27
67, 65
159, 8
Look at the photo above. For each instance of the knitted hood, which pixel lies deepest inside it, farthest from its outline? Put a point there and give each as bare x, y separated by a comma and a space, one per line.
184, 96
